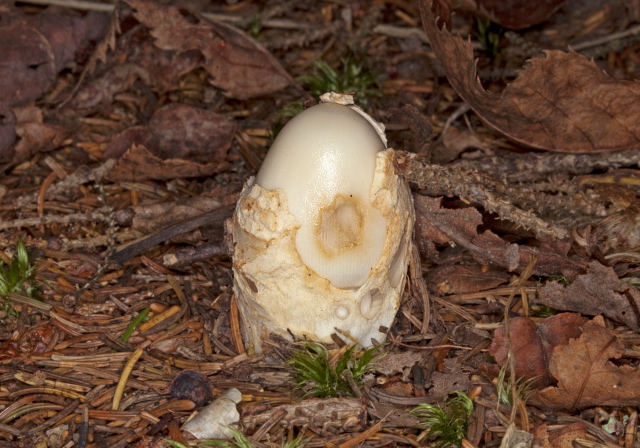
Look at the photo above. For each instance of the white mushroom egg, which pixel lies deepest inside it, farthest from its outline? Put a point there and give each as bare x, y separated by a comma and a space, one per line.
324, 161
322, 233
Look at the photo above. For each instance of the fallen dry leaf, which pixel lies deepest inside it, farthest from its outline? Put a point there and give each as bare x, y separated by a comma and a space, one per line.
186, 132
454, 142
35, 47
599, 291
28, 67
438, 225
159, 68
587, 376
138, 164
135, 135
562, 102
518, 14
459, 279
444, 383
394, 363
560, 438
421, 129
34, 136
428, 234
533, 344
180, 141
240, 66
102, 89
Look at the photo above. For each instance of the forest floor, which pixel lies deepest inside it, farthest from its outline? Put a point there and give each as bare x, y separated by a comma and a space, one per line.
128, 131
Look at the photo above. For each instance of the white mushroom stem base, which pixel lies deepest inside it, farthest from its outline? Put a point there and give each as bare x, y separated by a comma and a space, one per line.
277, 293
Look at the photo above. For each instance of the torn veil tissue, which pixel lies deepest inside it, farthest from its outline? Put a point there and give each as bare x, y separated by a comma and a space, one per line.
322, 234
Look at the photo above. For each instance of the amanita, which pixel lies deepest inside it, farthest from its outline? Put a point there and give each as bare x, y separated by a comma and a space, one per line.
322, 233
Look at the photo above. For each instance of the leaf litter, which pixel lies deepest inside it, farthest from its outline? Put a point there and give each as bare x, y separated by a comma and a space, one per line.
125, 140
562, 102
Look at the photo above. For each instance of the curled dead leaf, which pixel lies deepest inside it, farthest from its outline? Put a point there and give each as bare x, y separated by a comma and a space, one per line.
186, 132
562, 102
34, 47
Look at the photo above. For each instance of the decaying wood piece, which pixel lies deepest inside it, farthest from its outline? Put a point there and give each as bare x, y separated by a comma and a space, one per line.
533, 167
334, 415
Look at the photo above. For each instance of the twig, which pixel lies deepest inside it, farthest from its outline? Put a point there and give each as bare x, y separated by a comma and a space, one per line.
82, 5
101, 240
364, 435
99, 215
56, 418
189, 255
532, 167
515, 398
603, 40
217, 215
472, 187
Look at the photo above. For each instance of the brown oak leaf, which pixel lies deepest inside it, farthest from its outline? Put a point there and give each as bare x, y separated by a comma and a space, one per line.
562, 102
533, 345
586, 375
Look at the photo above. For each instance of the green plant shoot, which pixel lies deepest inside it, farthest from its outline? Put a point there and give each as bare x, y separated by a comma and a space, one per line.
16, 277
316, 375
524, 388
447, 424
18, 274
351, 77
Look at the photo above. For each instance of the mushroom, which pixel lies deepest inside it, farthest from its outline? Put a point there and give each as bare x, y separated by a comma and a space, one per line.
322, 234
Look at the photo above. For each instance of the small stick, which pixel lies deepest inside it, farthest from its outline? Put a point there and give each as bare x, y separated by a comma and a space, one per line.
137, 248
159, 318
84, 428
92, 216
56, 418
364, 435
266, 426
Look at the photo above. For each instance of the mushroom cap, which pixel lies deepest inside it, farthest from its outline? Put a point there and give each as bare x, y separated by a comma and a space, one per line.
324, 161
